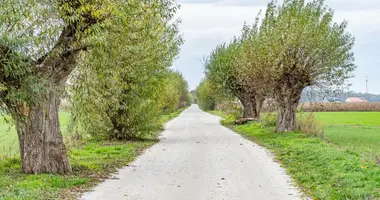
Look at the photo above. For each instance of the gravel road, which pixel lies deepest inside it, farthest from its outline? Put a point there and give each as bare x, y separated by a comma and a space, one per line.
198, 159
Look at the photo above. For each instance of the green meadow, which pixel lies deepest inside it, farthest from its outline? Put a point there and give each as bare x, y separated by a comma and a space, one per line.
356, 131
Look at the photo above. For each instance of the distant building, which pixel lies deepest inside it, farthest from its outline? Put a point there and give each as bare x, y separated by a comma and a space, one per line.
356, 100
335, 100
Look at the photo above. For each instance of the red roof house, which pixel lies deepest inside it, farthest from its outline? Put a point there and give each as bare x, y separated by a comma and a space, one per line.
356, 100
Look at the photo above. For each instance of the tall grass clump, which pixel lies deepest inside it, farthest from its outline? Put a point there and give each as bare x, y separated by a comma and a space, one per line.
308, 124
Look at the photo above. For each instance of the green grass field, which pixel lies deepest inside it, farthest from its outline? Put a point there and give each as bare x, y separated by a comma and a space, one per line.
349, 118
356, 131
342, 166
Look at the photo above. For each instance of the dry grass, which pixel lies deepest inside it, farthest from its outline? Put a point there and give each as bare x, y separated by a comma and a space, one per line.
308, 124
340, 107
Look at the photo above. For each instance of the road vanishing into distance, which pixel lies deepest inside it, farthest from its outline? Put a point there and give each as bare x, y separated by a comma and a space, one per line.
199, 159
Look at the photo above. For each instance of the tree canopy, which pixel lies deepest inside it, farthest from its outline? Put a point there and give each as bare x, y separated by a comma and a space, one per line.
118, 89
115, 54
297, 45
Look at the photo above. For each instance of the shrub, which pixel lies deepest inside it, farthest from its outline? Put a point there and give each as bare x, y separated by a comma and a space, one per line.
123, 86
269, 119
228, 120
205, 97
174, 94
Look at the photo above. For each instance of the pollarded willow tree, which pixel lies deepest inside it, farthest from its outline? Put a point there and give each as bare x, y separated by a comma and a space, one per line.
40, 42
223, 67
304, 47
254, 66
117, 93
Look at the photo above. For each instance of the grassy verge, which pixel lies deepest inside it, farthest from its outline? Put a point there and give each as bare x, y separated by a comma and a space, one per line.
323, 170
168, 117
91, 163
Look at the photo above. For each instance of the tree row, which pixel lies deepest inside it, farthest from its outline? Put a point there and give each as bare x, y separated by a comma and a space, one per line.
295, 45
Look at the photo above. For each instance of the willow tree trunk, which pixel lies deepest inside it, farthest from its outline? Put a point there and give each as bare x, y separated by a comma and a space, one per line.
287, 109
259, 106
286, 119
249, 108
41, 144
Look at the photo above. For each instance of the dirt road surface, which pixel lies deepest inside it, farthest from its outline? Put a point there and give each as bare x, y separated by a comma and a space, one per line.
199, 159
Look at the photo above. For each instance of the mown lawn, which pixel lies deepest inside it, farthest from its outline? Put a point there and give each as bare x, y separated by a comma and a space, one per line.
335, 168
91, 162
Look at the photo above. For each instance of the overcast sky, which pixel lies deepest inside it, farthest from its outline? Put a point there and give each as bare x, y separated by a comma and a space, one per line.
206, 23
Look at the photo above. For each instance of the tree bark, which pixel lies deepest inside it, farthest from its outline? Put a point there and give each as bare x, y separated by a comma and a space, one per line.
41, 144
288, 101
286, 119
249, 108
259, 105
